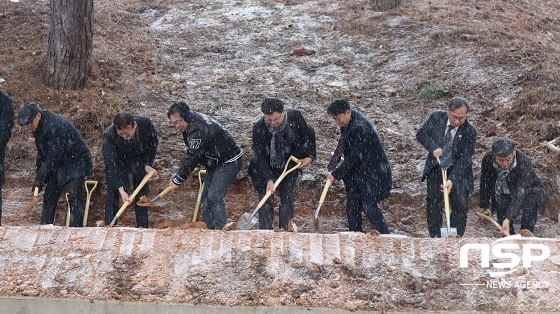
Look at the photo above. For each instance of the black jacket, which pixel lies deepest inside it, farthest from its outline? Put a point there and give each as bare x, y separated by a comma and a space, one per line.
208, 144
61, 150
6, 112
300, 144
365, 164
120, 155
521, 181
6, 126
431, 136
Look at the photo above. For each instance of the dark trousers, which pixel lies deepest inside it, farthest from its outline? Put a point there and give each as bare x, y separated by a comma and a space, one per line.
113, 200
529, 216
216, 185
75, 189
356, 201
286, 208
458, 203
4, 138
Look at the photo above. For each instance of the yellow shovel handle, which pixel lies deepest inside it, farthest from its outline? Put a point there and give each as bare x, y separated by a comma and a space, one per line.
199, 196
164, 192
68, 214
286, 172
89, 191
145, 180
445, 191
325, 190
490, 219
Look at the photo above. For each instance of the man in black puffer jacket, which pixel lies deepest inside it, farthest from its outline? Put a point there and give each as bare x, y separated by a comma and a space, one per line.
63, 159
277, 135
212, 146
129, 150
6, 126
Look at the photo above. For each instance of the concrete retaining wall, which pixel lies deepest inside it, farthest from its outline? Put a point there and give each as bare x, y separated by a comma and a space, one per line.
351, 271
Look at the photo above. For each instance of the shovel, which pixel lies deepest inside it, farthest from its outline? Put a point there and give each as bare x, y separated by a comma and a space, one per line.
146, 202
199, 197
88, 197
35, 200
68, 213
247, 221
447, 232
130, 200
321, 200
490, 219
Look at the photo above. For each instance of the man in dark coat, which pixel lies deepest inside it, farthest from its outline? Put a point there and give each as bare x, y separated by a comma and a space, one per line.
508, 179
210, 145
279, 134
63, 159
6, 126
365, 169
456, 157
129, 150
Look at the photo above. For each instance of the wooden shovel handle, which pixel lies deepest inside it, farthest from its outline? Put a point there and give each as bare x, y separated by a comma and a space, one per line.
68, 213
200, 173
145, 180
445, 191
198, 201
322, 199
325, 190
263, 200
90, 182
277, 183
89, 191
490, 219
164, 192
286, 172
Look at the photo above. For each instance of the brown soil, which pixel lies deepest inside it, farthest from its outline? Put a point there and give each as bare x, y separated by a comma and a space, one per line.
223, 59
146, 56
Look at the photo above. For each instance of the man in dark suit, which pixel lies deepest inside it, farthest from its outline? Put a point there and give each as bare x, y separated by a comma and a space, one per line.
456, 157
6, 126
63, 159
365, 169
508, 179
277, 135
129, 149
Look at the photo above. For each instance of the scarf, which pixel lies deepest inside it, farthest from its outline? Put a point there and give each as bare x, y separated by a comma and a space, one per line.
277, 149
501, 188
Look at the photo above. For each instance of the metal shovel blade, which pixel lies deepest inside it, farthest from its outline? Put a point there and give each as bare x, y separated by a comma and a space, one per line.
316, 217
451, 232
246, 222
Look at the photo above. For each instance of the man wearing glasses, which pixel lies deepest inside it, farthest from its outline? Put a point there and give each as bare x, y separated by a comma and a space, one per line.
210, 145
129, 150
507, 179
449, 136
277, 135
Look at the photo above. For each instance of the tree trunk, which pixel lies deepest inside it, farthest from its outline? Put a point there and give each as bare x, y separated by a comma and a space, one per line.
68, 59
384, 5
